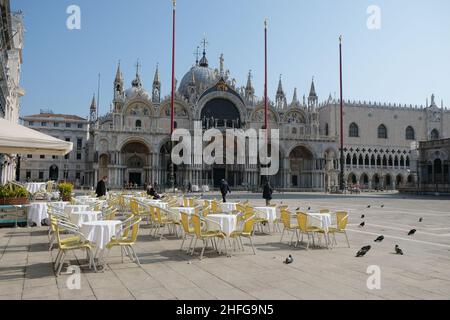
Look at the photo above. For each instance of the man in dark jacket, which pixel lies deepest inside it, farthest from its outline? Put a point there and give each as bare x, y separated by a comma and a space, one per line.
101, 187
267, 193
224, 189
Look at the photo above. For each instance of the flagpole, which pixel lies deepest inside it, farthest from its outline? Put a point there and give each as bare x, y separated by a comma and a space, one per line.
266, 107
342, 161
266, 102
172, 108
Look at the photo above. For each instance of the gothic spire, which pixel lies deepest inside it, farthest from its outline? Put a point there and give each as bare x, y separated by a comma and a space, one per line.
157, 78
204, 61
93, 103
119, 77
280, 87
312, 92
249, 81
295, 98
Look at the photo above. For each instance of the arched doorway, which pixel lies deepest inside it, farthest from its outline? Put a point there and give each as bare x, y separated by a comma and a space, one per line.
53, 173
301, 162
364, 181
388, 182
351, 179
399, 181
376, 182
135, 156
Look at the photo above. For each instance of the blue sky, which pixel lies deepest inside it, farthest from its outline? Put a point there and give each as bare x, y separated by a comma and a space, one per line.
405, 61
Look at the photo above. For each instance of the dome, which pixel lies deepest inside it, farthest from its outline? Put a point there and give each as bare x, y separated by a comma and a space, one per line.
203, 77
137, 91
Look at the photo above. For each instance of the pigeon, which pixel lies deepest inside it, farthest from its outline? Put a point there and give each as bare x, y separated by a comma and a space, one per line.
421, 220
309, 208
362, 224
363, 251
379, 239
368, 207
382, 205
363, 216
297, 209
412, 232
398, 250
289, 260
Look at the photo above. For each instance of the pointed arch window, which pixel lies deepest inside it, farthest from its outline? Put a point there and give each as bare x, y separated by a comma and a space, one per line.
434, 135
138, 124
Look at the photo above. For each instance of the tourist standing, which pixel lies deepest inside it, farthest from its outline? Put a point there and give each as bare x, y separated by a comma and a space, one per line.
267, 192
224, 189
101, 187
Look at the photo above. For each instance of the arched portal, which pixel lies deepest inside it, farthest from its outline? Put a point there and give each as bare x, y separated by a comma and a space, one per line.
219, 113
135, 156
301, 162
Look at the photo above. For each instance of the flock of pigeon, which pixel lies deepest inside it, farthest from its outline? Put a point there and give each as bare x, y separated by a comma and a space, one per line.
364, 250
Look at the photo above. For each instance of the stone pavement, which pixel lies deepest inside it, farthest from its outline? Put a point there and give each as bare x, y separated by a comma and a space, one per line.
167, 273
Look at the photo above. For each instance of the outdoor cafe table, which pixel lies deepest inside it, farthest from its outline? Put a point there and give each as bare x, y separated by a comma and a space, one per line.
80, 218
70, 208
37, 212
100, 232
320, 220
58, 205
227, 223
176, 212
228, 207
268, 213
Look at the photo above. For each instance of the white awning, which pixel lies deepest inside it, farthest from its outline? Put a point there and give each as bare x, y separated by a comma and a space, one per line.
17, 139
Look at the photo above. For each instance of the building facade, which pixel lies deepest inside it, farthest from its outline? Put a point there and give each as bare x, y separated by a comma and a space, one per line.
11, 44
71, 167
131, 143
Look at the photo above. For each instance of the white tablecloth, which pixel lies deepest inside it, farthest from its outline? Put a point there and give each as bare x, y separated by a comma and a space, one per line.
195, 188
34, 187
227, 207
227, 223
176, 212
268, 213
155, 203
37, 212
100, 232
80, 218
70, 208
320, 220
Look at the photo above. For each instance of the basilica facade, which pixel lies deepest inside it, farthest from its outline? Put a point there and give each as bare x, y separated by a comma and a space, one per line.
131, 144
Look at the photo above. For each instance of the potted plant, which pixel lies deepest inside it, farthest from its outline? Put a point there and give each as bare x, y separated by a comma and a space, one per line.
65, 191
13, 195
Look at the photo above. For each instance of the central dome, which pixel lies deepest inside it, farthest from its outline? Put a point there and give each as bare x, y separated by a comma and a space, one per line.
200, 76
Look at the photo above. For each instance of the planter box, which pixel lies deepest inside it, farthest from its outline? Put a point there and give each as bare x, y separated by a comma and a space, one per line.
13, 201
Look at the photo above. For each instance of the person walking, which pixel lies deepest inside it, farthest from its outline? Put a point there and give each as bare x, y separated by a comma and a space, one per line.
100, 191
224, 189
267, 192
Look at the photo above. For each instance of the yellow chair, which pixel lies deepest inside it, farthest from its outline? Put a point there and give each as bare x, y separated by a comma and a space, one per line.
188, 230
288, 226
204, 236
342, 221
302, 219
215, 206
247, 232
324, 211
65, 245
126, 238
